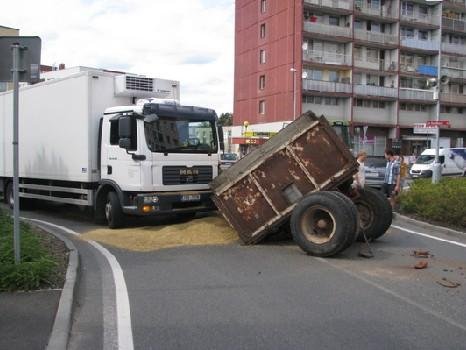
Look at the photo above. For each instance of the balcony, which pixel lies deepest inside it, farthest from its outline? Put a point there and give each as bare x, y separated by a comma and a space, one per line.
423, 69
454, 3
453, 24
422, 18
326, 86
373, 90
416, 94
326, 29
375, 63
336, 4
454, 48
326, 57
453, 98
381, 38
381, 11
415, 43
454, 73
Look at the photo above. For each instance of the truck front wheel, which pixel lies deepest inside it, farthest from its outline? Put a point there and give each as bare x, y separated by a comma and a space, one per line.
113, 211
322, 224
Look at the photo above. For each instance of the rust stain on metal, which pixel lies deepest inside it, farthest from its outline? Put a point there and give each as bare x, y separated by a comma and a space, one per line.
261, 190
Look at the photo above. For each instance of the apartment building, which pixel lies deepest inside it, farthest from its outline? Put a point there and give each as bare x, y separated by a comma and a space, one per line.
7, 31
361, 62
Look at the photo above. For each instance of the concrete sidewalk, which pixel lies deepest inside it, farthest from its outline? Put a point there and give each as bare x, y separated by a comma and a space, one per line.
26, 318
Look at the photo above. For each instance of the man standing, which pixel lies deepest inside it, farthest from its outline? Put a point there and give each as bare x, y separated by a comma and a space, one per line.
391, 186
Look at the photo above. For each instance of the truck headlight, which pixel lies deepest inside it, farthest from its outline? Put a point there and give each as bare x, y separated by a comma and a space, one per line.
151, 199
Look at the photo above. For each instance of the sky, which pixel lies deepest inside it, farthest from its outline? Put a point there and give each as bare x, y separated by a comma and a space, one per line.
187, 40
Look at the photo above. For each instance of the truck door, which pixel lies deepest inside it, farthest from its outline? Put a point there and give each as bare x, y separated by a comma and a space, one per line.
117, 163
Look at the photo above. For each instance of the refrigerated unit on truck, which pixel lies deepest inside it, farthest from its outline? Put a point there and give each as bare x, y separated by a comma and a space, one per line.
85, 141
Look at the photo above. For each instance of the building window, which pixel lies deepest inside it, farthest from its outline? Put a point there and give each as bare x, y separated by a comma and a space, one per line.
263, 6
262, 107
423, 35
262, 56
333, 20
262, 31
262, 82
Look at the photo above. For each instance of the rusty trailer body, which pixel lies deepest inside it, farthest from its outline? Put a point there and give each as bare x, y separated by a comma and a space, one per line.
259, 192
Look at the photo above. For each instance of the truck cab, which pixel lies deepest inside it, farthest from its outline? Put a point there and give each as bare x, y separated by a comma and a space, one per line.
157, 158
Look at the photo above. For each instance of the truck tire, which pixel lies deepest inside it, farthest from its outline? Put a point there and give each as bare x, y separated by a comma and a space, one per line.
353, 226
375, 214
319, 224
113, 211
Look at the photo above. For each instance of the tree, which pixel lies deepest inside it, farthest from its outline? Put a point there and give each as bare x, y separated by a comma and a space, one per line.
226, 119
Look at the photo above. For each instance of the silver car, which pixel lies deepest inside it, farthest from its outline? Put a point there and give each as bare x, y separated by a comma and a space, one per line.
375, 171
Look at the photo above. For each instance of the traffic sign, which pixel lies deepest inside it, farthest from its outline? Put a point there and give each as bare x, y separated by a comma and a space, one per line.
29, 58
438, 123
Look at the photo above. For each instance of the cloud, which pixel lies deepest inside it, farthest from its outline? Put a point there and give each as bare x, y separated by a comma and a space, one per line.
190, 41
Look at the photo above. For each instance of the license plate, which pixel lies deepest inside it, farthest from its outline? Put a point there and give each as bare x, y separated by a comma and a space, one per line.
191, 198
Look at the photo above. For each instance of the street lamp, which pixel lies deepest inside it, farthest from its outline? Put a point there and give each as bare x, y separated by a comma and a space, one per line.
294, 70
437, 170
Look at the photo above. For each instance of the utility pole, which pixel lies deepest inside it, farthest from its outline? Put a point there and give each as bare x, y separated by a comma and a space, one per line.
16, 50
437, 170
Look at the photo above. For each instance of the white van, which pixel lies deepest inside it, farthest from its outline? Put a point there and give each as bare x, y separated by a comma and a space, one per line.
453, 162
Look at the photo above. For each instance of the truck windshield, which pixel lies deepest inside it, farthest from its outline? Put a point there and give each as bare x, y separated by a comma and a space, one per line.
179, 135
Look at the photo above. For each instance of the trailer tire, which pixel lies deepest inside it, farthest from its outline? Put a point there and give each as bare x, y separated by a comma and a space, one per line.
113, 211
353, 213
319, 224
375, 213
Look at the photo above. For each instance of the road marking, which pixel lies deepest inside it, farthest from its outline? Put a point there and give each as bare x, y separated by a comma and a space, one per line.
63, 228
125, 333
430, 236
376, 285
124, 330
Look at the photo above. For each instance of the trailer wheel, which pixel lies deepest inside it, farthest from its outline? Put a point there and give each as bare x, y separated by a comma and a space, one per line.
353, 226
375, 214
113, 211
319, 224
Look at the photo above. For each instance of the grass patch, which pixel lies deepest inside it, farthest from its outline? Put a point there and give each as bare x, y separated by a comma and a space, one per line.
444, 202
37, 267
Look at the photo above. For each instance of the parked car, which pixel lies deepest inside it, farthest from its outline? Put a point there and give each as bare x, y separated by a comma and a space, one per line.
375, 171
227, 160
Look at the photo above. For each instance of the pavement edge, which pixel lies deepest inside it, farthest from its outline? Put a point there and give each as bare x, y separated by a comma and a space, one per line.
62, 324
429, 226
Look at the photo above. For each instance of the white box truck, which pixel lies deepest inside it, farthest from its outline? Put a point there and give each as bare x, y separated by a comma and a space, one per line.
84, 141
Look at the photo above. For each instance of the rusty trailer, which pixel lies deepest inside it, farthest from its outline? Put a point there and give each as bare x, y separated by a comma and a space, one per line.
302, 177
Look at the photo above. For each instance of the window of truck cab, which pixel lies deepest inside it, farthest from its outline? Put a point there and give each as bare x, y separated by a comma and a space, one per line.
181, 135
114, 134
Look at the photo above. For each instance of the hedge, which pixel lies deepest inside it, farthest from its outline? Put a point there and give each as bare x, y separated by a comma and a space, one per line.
444, 202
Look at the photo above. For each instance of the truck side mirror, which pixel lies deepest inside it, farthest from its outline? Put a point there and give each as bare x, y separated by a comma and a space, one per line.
220, 138
124, 143
124, 128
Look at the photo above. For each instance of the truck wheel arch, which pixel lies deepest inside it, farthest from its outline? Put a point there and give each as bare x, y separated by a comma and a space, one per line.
104, 188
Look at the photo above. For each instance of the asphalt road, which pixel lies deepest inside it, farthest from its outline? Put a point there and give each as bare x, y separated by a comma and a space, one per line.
273, 296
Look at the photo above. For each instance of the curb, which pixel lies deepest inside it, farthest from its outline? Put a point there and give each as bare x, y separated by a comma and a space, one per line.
427, 225
62, 325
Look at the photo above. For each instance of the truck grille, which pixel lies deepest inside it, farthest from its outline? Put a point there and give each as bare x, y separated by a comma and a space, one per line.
181, 175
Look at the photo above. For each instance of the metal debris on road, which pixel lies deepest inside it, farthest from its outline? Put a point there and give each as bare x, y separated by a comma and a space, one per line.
445, 282
421, 265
